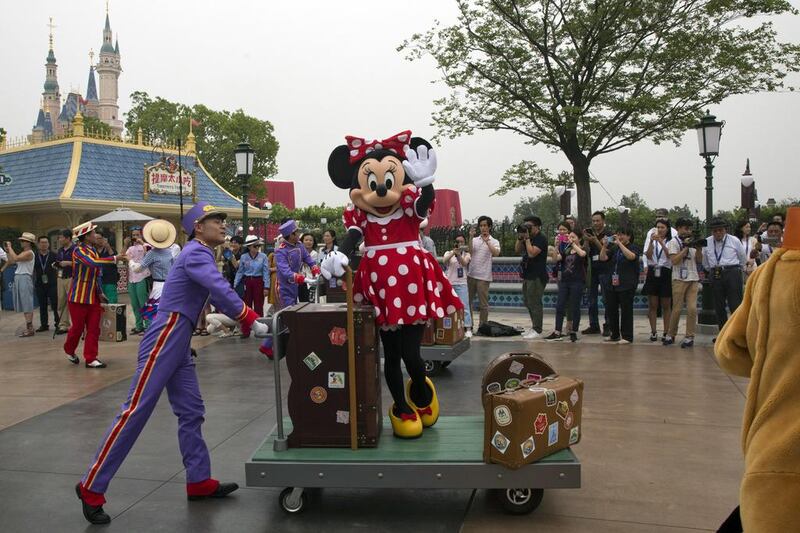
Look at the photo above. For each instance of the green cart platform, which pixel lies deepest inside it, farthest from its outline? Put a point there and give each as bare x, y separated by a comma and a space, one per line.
449, 455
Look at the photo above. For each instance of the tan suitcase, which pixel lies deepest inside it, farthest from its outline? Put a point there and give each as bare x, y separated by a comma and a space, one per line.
510, 369
450, 329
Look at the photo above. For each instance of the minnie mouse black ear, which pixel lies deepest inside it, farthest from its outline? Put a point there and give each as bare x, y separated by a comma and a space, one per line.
419, 141
339, 168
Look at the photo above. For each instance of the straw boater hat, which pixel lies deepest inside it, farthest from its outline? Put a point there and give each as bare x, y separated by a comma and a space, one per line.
83, 229
27, 236
159, 233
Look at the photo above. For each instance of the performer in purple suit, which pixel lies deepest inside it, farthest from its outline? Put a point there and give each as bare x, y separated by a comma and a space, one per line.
165, 361
289, 257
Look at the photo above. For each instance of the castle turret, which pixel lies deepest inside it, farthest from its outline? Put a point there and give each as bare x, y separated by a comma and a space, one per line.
92, 101
51, 96
38, 133
108, 70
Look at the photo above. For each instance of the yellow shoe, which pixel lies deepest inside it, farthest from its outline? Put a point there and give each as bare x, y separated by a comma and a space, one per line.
407, 426
428, 414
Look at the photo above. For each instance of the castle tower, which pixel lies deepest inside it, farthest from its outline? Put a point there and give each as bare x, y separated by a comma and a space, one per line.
108, 70
51, 96
92, 101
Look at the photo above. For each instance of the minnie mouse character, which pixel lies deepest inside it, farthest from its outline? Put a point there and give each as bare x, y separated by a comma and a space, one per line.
391, 189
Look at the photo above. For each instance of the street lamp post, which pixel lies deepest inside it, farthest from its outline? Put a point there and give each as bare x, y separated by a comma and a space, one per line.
748, 192
709, 131
244, 169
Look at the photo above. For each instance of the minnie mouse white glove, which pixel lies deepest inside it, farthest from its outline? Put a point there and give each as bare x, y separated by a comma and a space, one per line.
420, 165
333, 265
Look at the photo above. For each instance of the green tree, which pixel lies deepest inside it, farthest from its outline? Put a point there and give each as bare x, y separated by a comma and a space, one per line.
95, 126
545, 206
217, 134
589, 77
2, 135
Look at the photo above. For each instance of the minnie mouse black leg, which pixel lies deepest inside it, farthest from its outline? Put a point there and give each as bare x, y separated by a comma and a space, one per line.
420, 393
405, 422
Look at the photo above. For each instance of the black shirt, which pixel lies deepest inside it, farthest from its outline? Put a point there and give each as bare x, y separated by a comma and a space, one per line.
626, 269
598, 267
572, 266
43, 265
535, 267
228, 269
110, 272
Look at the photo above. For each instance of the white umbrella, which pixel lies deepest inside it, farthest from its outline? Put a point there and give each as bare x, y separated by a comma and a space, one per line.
122, 214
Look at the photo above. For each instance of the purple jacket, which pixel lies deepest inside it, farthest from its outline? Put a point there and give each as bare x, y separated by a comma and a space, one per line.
289, 258
193, 280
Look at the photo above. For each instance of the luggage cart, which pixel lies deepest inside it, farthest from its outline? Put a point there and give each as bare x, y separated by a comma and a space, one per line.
448, 456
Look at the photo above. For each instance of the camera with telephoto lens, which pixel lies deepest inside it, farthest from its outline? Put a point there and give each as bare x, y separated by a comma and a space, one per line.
589, 231
522, 232
694, 240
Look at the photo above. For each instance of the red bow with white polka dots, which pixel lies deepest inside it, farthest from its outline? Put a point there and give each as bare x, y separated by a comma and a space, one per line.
359, 147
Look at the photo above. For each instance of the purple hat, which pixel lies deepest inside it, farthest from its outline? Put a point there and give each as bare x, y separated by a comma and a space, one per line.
287, 228
198, 213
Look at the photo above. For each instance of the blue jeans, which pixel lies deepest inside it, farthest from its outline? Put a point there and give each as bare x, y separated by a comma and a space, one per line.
463, 294
569, 301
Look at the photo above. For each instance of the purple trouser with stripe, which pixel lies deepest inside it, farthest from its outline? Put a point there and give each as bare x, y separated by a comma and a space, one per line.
165, 361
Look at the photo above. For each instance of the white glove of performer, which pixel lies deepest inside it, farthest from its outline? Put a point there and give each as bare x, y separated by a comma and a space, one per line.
420, 165
333, 265
260, 329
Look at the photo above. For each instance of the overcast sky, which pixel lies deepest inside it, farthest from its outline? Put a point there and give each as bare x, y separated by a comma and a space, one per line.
319, 70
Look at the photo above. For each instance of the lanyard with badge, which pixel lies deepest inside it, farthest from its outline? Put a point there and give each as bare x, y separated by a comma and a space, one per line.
684, 270
615, 275
658, 252
718, 257
42, 264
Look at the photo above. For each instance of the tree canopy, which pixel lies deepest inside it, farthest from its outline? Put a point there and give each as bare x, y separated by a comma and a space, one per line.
217, 134
95, 126
589, 77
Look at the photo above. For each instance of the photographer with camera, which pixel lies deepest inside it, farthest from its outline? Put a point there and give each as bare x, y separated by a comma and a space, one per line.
456, 263
658, 283
483, 248
598, 273
571, 281
724, 258
773, 240
623, 258
532, 246
685, 254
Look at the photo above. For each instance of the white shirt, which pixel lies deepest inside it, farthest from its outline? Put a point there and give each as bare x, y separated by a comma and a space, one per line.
647, 262
686, 270
454, 266
729, 251
481, 265
3, 255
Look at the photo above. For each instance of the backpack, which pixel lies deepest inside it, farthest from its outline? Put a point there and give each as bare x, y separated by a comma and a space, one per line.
496, 329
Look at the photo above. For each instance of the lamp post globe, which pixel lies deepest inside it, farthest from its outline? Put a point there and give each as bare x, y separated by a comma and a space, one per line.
245, 157
709, 132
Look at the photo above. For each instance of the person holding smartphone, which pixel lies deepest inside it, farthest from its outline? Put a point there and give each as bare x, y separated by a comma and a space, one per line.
571, 282
456, 263
623, 267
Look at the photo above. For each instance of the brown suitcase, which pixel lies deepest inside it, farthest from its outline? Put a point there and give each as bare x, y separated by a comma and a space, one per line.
450, 329
524, 424
316, 356
429, 334
509, 369
113, 323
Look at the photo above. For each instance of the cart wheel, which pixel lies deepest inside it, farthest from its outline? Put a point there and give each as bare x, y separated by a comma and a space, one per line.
519, 501
432, 368
445, 364
292, 507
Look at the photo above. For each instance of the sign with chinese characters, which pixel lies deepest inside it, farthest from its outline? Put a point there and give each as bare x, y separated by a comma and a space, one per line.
165, 178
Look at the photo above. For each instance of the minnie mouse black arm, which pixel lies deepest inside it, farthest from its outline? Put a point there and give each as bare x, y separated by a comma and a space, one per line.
424, 201
350, 242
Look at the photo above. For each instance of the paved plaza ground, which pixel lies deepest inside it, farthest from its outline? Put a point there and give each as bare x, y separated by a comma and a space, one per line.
660, 449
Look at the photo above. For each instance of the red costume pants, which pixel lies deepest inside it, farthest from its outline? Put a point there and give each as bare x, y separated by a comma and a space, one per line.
253, 297
84, 316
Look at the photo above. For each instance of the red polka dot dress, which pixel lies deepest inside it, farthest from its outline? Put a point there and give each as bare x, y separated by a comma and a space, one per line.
396, 275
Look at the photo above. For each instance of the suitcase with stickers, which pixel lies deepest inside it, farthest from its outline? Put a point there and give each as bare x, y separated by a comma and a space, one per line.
529, 419
317, 359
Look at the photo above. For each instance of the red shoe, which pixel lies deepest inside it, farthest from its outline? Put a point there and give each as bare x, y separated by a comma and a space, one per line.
210, 488
266, 351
